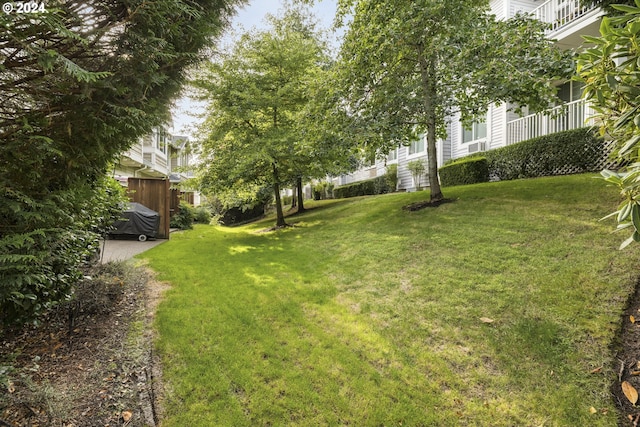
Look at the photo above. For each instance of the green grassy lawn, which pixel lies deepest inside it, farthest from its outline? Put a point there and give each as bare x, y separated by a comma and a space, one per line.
368, 315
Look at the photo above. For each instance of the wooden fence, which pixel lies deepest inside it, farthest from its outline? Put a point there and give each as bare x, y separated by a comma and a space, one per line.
153, 193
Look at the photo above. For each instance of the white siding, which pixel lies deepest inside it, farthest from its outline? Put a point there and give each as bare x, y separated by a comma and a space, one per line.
498, 8
516, 6
496, 137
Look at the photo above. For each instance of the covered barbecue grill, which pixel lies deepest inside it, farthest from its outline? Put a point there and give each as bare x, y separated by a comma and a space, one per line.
138, 220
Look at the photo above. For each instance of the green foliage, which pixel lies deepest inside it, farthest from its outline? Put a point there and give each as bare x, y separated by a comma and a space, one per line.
465, 171
78, 84
406, 65
257, 93
417, 169
323, 190
391, 176
579, 150
378, 185
183, 219
611, 70
40, 262
572, 151
609, 5
201, 215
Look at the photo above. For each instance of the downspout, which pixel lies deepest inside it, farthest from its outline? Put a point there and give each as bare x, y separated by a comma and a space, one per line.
135, 172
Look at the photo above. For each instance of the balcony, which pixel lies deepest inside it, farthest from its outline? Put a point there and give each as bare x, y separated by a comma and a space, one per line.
560, 13
572, 115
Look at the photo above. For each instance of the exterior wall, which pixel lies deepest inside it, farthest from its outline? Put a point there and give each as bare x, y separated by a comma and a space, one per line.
521, 6
156, 155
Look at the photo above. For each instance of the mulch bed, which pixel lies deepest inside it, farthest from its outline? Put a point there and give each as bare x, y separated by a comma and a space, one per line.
83, 366
627, 348
426, 204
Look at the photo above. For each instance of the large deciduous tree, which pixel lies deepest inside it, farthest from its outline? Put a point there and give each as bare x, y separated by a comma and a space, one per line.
260, 94
408, 65
79, 82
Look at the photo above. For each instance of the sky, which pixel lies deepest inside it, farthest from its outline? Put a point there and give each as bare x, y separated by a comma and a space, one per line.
250, 16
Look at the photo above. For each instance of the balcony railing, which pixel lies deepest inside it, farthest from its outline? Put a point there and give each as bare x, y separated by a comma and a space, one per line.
569, 116
558, 13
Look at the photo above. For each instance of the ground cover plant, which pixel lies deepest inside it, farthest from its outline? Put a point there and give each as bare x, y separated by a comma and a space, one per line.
498, 309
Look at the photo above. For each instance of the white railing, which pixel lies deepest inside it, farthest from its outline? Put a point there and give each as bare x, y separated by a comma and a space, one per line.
558, 13
569, 116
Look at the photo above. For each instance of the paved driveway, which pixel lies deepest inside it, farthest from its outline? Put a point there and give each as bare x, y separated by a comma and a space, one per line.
121, 249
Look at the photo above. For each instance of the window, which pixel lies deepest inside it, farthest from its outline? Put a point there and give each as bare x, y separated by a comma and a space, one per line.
417, 146
477, 130
393, 155
570, 91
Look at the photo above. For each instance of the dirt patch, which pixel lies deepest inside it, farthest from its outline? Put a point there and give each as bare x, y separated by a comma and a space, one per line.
627, 348
426, 204
90, 363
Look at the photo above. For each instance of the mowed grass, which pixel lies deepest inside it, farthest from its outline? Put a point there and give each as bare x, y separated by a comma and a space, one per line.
499, 309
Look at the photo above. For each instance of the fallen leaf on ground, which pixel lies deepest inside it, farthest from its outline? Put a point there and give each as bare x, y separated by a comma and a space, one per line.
486, 320
632, 319
595, 371
593, 410
630, 392
126, 416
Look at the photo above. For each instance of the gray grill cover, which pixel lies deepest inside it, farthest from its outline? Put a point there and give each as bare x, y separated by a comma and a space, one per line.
139, 219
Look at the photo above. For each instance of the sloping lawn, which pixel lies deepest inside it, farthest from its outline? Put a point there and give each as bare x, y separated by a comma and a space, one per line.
495, 310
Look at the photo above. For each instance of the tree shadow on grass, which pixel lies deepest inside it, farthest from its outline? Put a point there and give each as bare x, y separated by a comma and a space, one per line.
426, 204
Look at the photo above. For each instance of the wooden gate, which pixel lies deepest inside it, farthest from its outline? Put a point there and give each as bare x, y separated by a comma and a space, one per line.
153, 193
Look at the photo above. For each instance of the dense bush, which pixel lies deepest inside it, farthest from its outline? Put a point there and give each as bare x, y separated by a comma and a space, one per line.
183, 219
391, 176
465, 171
45, 244
572, 151
378, 185
238, 215
323, 190
202, 215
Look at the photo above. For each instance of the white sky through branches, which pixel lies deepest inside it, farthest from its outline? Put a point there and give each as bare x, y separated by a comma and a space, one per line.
250, 16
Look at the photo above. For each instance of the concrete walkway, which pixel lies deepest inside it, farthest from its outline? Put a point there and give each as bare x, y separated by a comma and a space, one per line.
121, 249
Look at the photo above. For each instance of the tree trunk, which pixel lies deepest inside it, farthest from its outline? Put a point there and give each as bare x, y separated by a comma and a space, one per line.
300, 196
294, 200
276, 189
427, 73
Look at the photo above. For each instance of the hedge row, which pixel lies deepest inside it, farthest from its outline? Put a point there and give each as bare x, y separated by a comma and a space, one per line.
465, 171
378, 185
573, 151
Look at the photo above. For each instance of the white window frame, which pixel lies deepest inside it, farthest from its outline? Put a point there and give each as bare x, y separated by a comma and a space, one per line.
395, 158
411, 155
474, 129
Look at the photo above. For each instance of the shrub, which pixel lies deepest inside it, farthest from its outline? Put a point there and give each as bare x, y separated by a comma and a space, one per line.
465, 171
391, 176
417, 169
183, 219
572, 151
45, 244
561, 153
202, 215
237, 215
369, 187
323, 190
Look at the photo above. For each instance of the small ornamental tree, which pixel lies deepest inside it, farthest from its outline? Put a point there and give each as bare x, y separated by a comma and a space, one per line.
416, 167
611, 71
